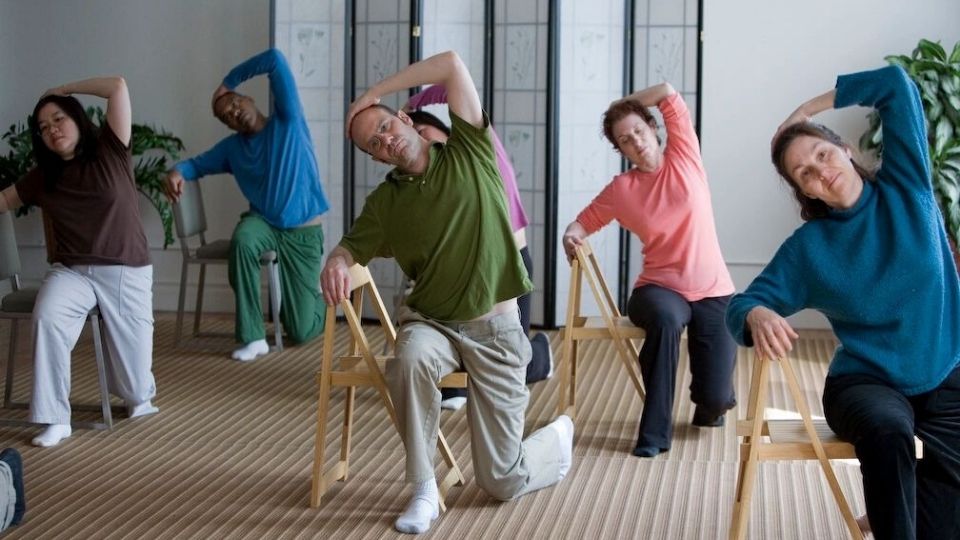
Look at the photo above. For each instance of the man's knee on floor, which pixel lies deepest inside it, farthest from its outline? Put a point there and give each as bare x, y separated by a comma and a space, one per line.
502, 488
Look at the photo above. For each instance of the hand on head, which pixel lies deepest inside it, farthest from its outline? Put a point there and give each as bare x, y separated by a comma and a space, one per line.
221, 90
55, 91
359, 104
795, 117
772, 335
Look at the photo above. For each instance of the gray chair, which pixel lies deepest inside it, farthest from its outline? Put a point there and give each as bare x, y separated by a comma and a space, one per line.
18, 305
191, 221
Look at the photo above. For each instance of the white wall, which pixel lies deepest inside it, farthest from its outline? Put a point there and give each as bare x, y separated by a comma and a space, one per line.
173, 54
761, 59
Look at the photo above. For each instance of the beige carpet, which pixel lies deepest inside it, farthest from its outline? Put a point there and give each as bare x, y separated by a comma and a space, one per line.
229, 456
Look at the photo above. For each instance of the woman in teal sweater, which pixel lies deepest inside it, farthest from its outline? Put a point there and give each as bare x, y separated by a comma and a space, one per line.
873, 257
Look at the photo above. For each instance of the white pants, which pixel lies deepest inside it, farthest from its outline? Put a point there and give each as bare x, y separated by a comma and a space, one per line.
125, 298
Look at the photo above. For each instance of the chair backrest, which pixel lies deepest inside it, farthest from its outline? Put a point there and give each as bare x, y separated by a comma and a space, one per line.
9, 255
188, 213
361, 284
586, 263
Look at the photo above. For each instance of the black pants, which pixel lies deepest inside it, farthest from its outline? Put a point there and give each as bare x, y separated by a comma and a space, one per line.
539, 365
663, 314
905, 498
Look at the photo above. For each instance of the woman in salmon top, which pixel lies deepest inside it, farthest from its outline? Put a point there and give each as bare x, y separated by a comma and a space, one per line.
665, 200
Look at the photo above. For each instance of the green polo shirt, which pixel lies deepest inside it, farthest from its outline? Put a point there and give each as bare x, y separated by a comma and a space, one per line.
447, 228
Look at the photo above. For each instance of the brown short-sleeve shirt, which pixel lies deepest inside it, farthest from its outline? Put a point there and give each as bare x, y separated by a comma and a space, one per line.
94, 207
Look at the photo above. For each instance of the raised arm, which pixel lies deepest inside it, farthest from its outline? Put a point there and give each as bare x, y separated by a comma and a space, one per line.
114, 90
271, 62
806, 111
650, 96
445, 68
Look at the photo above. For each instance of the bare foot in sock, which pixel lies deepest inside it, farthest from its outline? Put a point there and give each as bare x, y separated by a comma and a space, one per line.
424, 507
52, 435
564, 428
453, 404
142, 409
251, 351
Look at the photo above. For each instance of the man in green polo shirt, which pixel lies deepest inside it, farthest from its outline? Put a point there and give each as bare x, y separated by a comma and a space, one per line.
442, 215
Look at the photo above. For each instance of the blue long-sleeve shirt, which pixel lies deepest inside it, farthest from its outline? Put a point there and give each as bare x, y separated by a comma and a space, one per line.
881, 271
275, 168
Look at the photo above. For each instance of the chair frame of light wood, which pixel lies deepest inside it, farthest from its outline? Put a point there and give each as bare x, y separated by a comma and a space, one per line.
11, 272
803, 439
361, 368
191, 220
610, 325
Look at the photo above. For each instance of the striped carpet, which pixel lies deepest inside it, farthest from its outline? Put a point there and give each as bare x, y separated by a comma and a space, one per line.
229, 456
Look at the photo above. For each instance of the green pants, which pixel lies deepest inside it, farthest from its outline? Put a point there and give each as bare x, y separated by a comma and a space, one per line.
300, 252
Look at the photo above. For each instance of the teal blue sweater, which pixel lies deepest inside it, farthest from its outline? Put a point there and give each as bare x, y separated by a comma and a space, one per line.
275, 168
881, 271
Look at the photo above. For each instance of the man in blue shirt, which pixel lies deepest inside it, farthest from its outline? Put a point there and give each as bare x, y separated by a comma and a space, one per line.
272, 159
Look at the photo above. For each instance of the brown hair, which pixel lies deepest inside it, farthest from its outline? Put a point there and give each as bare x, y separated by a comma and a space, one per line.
622, 109
810, 209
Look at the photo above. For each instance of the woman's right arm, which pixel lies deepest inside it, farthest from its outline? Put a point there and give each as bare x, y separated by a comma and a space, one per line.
9, 199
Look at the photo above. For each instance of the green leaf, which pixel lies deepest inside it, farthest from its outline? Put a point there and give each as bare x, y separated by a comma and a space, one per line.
930, 49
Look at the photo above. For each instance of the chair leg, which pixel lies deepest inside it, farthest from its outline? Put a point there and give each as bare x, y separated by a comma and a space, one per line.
273, 280
181, 304
347, 437
563, 393
11, 359
99, 352
199, 306
748, 465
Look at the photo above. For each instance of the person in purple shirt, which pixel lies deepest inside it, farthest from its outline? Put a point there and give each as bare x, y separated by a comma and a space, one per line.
272, 159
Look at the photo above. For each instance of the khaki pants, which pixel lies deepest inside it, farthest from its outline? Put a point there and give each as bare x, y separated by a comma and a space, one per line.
495, 353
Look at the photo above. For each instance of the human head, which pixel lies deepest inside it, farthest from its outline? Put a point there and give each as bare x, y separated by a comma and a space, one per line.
429, 126
388, 136
808, 148
632, 130
237, 111
60, 130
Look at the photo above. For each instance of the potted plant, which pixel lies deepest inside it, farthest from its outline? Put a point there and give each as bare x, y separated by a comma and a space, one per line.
154, 151
937, 76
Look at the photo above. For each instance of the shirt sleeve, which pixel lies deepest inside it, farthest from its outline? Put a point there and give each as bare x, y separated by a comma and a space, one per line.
213, 161
431, 95
602, 209
366, 239
286, 100
780, 287
681, 137
897, 100
29, 187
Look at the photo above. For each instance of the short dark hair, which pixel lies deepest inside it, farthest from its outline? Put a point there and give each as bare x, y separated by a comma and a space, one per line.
49, 162
810, 208
388, 109
622, 109
421, 116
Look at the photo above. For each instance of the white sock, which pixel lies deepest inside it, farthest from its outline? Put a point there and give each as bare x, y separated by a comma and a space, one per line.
424, 507
251, 350
52, 435
564, 428
142, 409
454, 403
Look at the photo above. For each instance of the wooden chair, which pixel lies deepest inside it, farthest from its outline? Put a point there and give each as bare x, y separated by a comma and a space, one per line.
609, 325
789, 439
360, 367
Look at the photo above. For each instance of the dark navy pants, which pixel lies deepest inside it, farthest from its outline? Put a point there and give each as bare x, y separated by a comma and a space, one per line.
905, 498
663, 314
